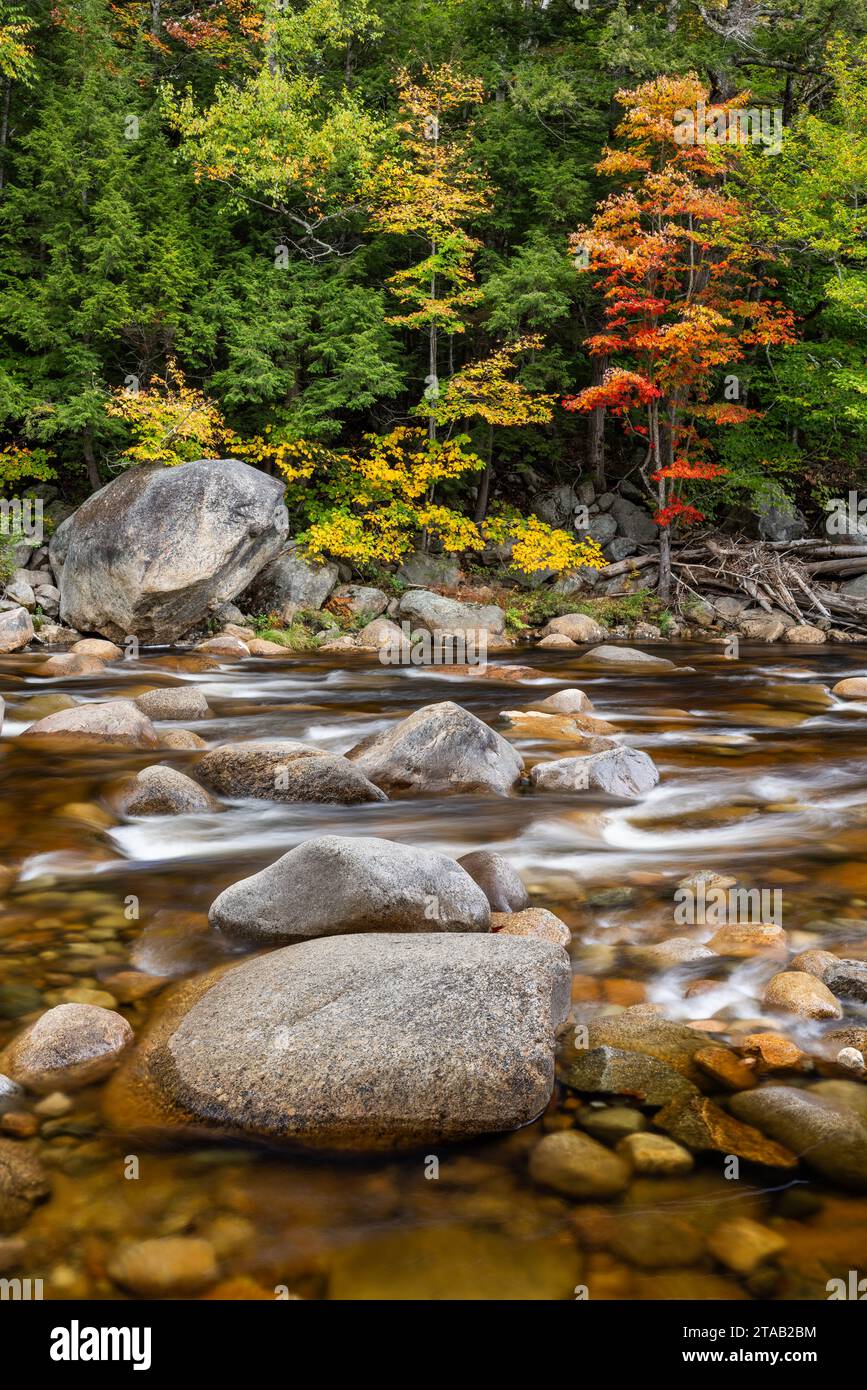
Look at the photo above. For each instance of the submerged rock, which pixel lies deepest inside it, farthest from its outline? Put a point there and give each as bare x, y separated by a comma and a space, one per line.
699, 1124
117, 723
578, 1166
158, 549
23, 1183
655, 1155
286, 770
70, 1046
362, 1042
829, 1139
502, 885
439, 748
72, 664
610, 1070
333, 885
609, 655
166, 1267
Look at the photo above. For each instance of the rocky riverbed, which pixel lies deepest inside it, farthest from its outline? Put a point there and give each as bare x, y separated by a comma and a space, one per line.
326, 978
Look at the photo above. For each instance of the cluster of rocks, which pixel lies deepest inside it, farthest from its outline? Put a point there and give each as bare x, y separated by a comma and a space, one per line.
440, 748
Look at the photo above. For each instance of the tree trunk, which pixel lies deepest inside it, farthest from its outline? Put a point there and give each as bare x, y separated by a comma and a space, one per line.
90, 460
484, 488
4, 126
596, 430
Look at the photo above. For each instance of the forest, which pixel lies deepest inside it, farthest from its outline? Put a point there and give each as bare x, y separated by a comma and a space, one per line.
436, 263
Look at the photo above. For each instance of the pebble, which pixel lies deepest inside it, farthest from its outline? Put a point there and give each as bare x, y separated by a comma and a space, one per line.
742, 940
611, 1122
725, 1067
743, 1245
53, 1105
165, 1267
655, 1155
23, 1182
656, 1240
578, 1166
796, 992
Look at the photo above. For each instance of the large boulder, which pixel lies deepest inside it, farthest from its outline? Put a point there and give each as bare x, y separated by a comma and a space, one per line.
634, 522
623, 772
449, 617
361, 600
364, 1042
439, 748
289, 583
162, 791
286, 770
781, 522
332, 885
113, 723
158, 549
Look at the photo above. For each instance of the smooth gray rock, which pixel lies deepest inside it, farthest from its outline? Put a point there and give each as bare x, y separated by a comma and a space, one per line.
827, 1138
20, 591
578, 1166
624, 772
116, 723
363, 1042
23, 1183
16, 629
450, 617
418, 568
173, 702
439, 748
613, 1071
602, 528
163, 791
362, 601
285, 770
69, 1046
783, 522
288, 583
501, 884
333, 885
609, 655
158, 549
634, 522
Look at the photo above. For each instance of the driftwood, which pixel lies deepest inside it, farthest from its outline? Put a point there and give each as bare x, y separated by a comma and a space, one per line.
792, 577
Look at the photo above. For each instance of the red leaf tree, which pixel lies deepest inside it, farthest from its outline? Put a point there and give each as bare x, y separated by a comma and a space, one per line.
684, 293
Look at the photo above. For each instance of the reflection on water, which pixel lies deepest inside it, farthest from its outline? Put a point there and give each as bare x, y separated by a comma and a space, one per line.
763, 776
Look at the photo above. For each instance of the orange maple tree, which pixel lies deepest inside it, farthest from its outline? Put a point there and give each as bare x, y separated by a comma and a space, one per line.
684, 293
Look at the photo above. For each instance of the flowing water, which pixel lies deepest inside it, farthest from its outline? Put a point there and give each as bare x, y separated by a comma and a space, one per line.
763, 777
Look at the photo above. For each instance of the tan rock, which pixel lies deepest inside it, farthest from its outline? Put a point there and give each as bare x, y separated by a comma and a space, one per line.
762, 629
559, 727
726, 1067
260, 646
655, 1155
224, 644
578, 627
97, 646
773, 1051
66, 1048
743, 1245
559, 642
796, 992
744, 939
852, 688
570, 701
167, 1267
71, 664
534, 922
805, 634
699, 1124
814, 962
181, 739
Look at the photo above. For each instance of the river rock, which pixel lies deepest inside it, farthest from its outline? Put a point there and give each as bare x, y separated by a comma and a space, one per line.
852, 688
364, 1042
181, 740
577, 1166
361, 600
448, 617
814, 962
97, 646
535, 922
439, 748
16, 629
455, 1264
805, 634
846, 1095
158, 549
612, 1071
609, 655
72, 664
224, 644
165, 1267
699, 1124
286, 770
796, 992
23, 1183
163, 791
620, 772
831, 1140
641, 1029
173, 702
558, 642
501, 884
610, 1123
743, 1245
571, 701
847, 979
114, 723
382, 632
576, 626
740, 940
334, 885
70, 1046
655, 1155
